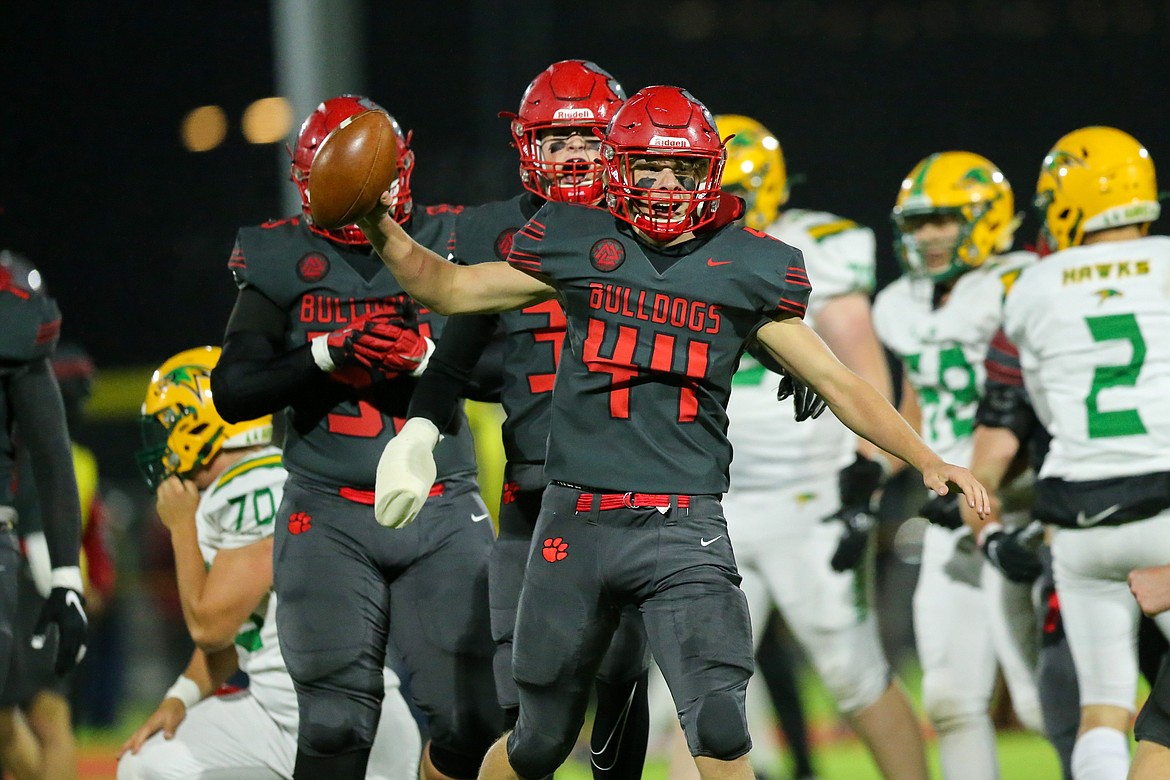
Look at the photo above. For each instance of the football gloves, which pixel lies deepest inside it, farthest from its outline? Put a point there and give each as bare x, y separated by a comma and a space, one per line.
371, 349
943, 510
406, 472
807, 405
1014, 552
857, 482
65, 610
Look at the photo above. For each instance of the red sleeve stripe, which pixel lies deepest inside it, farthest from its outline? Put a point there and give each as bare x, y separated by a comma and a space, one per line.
793, 306
796, 281
524, 255
237, 259
48, 331
1004, 375
531, 263
524, 231
794, 269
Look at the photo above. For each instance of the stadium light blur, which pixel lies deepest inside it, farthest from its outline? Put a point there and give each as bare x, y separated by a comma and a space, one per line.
267, 121
204, 128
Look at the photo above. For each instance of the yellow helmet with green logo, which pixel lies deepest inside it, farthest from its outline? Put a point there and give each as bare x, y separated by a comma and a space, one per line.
1093, 179
755, 168
965, 185
181, 429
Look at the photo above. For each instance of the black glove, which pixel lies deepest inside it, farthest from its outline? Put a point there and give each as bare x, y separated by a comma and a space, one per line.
943, 510
806, 404
65, 609
857, 483
1014, 552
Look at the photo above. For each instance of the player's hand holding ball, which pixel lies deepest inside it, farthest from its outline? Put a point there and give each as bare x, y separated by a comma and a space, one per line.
356, 163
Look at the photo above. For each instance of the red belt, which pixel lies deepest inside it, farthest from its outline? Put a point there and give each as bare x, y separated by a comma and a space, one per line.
630, 500
359, 496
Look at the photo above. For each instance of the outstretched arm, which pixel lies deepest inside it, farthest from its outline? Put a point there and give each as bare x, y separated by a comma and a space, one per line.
862, 408
443, 286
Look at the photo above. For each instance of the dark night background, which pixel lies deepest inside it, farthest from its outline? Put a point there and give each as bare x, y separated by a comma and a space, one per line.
133, 233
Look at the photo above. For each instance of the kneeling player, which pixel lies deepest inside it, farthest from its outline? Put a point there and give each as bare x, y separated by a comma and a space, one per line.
218, 487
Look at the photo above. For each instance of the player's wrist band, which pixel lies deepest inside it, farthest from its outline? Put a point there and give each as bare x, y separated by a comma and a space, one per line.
426, 358
987, 531
66, 577
185, 690
319, 346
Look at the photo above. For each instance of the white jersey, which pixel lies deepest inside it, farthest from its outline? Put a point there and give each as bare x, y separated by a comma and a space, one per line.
1092, 324
239, 510
772, 450
942, 350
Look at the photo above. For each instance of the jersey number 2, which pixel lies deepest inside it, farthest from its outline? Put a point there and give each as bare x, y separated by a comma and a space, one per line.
1122, 422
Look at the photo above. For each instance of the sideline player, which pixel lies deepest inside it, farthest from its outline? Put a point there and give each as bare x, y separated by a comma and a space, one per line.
954, 221
659, 305
30, 401
553, 132
1091, 323
319, 327
218, 486
800, 513
36, 724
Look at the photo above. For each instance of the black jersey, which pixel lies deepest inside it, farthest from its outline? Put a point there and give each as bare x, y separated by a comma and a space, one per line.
532, 336
30, 323
339, 436
641, 392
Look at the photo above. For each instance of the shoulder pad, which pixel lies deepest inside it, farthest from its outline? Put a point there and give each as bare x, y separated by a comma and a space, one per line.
30, 321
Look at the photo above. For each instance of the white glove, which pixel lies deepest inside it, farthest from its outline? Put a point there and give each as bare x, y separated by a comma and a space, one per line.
406, 472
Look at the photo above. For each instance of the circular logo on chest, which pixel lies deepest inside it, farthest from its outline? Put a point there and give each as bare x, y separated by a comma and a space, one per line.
504, 243
607, 254
312, 267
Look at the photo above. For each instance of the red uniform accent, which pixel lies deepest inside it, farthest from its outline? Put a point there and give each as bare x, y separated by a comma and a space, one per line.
360, 496
630, 501
555, 549
299, 522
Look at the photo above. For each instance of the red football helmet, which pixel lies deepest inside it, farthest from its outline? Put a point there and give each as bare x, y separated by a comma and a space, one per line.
319, 124
572, 94
657, 126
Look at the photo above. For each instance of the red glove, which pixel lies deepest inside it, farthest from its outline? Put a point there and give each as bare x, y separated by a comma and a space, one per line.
372, 348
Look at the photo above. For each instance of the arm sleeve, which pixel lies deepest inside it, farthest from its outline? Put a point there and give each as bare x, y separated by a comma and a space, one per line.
255, 375
1005, 402
40, 415
452, 368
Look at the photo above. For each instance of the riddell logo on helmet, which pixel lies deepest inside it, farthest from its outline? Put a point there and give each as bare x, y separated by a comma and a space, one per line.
573, 113
670, 143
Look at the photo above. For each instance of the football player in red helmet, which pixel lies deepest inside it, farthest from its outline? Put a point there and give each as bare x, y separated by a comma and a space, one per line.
658, 312
320, 328
553, 130
326, 118
664, 160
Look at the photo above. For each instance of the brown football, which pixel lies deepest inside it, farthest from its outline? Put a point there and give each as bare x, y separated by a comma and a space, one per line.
356, 163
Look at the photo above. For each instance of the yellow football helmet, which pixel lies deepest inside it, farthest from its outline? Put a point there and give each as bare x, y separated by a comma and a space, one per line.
755, 168
965, 185
1093, 179
181, 430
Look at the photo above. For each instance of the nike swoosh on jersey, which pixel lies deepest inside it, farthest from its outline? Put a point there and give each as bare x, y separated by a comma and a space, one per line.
711, 261
706, 542
478, 518
1091, 520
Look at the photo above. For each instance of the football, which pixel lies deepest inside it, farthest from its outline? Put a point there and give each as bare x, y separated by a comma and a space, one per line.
356, 163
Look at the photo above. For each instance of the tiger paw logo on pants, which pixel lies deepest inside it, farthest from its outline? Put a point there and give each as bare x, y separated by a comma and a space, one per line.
299, 522
555, 550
